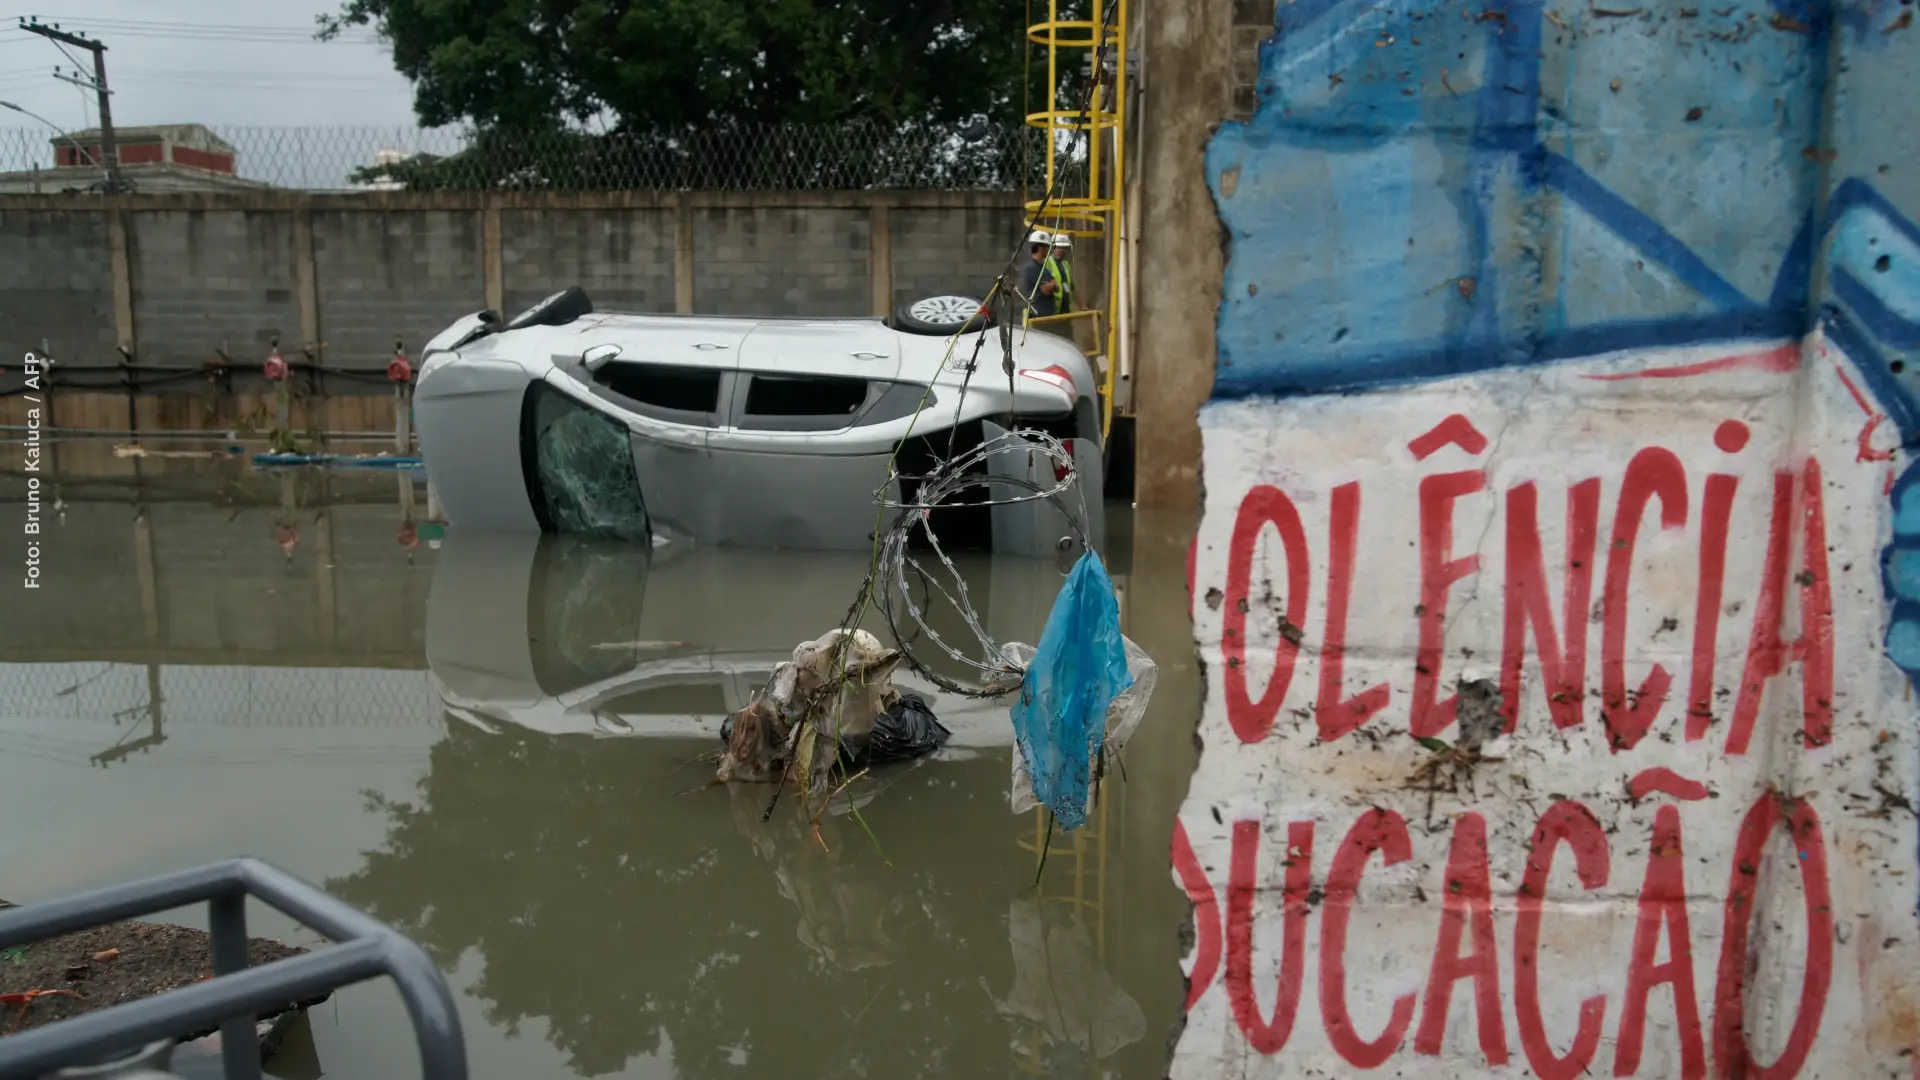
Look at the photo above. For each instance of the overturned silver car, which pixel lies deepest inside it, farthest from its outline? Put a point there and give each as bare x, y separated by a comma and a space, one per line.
740, 431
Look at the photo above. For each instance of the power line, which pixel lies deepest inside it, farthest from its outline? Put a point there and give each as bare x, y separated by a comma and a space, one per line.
264, 79
265, 74
221, 31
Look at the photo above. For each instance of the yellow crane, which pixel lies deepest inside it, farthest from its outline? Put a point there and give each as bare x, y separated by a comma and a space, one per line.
1087, 198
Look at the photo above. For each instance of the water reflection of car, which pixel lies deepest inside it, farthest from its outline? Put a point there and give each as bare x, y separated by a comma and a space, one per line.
572, 636
739, 431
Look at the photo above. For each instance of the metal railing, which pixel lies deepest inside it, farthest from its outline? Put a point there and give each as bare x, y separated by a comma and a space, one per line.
364, 949
856, 155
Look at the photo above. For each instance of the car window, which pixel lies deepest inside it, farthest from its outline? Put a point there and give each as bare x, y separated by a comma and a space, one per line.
663, 386
805, 395
802, 402
580, 469
900, 399
676, 394
785, 402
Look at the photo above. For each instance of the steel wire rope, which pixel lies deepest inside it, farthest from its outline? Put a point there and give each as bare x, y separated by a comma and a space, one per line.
949, 477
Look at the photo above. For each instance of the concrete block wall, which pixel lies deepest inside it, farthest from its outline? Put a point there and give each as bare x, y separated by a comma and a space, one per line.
623, 258
1556, 582
56, 283
388, 276
940, 251
343, 276
774, 261
211, 280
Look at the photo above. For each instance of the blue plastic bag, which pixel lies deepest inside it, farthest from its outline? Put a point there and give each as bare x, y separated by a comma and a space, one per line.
1079, 667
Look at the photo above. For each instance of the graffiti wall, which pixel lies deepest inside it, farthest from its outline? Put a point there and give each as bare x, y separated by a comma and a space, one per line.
1559, 581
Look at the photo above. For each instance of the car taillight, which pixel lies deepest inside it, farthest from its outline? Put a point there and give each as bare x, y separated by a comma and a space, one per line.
1062, 470
1056, 376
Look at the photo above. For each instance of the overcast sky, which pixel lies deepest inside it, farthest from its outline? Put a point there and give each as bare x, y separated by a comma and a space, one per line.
223, 63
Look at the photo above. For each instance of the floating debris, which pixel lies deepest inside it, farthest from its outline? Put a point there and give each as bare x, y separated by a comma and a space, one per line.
822, 708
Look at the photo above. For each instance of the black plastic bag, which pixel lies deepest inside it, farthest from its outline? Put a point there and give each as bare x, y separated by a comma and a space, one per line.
904, 732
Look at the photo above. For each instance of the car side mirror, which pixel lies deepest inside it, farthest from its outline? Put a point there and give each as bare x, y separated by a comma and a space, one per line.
597, 356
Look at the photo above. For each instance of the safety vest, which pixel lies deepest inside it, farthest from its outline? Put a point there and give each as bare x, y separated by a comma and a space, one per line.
1049, 269
1062, 273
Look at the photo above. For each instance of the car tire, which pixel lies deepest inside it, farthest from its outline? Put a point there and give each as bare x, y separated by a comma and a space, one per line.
942, 315
557, 310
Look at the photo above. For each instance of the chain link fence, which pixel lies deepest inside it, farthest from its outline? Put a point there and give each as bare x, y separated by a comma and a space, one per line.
219, 695
734, 157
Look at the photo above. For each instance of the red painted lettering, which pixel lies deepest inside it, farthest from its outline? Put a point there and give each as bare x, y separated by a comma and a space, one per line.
1731, 437
1455, 429
1573, 824
1730, 1050
1438, 571
1335, 716
1467, 906
1267, 1036
1665, 780
1767, 654
1563, 666
1653, 472
1715, 512
1385, 832
1252, 720
1206, 914
1663, 908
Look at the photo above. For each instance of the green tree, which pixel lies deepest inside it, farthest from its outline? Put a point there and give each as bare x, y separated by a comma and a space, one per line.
661, 65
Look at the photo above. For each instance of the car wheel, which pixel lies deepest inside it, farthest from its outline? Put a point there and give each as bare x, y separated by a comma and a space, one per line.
941, 315
557, 310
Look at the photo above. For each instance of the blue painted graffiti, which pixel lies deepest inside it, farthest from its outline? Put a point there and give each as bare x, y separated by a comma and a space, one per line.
1526, 182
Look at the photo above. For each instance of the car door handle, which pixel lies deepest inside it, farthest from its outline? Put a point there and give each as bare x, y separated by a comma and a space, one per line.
709, 345
868, 356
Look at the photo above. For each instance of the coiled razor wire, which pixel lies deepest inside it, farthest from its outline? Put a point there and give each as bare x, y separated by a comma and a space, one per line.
949, 479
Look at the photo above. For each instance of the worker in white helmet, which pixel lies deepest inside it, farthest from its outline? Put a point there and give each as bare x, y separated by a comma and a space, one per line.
1040, 281
1063, 269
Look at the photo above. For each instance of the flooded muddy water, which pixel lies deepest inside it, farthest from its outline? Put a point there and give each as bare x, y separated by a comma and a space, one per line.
499, 746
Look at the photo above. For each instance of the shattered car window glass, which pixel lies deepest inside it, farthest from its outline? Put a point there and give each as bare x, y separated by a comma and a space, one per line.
583, 467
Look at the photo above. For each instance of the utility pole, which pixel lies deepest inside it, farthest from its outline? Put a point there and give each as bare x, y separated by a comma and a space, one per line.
109, 153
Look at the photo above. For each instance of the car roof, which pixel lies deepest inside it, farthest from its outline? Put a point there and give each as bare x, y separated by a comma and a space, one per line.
919, 356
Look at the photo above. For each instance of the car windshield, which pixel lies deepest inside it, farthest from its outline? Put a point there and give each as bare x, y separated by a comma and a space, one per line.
584, 479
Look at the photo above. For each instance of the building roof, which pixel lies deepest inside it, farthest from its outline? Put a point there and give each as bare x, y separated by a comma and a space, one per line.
196, 136
146, 179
